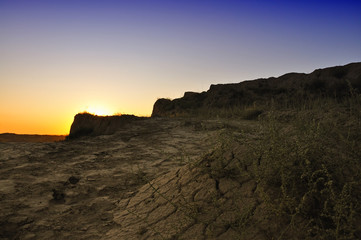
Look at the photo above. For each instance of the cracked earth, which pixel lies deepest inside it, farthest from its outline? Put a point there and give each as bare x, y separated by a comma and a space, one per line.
139, 183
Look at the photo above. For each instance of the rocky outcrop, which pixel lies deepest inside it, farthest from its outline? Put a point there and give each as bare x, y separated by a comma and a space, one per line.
86, 124
290, 88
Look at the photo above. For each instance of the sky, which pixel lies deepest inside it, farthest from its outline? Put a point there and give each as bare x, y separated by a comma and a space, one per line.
62, 57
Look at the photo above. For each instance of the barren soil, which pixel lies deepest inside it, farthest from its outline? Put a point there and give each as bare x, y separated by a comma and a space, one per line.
11, 137
80, 189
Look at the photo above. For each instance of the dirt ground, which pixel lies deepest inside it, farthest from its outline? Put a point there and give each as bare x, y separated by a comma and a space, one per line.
76, 189
11, 137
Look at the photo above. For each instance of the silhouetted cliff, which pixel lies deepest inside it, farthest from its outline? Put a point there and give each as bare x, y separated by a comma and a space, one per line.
86, 124
290, 88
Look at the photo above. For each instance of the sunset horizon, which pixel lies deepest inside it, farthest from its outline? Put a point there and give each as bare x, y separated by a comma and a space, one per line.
161, 119
60, 58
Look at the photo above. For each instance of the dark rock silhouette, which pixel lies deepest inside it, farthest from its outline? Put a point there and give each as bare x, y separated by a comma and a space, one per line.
86, 124
292, 87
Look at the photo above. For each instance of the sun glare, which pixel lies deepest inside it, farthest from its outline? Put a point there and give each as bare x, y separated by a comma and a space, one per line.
100, 111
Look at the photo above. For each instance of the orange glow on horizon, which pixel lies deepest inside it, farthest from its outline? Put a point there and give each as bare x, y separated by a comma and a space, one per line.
55, 121
35, 124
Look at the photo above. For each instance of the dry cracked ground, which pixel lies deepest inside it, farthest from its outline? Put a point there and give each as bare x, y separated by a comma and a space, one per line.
155, 179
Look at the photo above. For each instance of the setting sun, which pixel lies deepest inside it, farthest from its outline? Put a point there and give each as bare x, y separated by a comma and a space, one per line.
99, 110
61, 58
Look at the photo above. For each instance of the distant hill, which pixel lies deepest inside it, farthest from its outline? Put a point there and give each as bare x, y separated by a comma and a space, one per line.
290, 88
12, 137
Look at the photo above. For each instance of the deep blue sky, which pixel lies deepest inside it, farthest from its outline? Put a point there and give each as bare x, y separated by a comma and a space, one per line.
62, 57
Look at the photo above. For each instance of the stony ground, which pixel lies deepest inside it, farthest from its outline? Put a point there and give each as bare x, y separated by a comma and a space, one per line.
134, 184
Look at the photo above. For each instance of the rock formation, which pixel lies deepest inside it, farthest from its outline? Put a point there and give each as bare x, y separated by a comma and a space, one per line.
87, 124
286, 89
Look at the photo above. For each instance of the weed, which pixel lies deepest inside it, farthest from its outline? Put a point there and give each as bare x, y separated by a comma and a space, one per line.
299, 169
